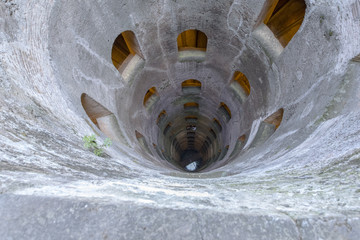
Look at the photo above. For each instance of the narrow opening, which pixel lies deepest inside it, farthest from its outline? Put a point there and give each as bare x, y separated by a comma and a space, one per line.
217, 124
167, 128
191, 86
284, 18
150, 97
192, 40
103, 119
138, 135
225, 111
161, 117
125, 47
275, 118
242, 80
191, 106
240, 84
93, 109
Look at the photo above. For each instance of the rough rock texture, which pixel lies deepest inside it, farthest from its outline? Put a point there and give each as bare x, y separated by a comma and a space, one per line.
302, 183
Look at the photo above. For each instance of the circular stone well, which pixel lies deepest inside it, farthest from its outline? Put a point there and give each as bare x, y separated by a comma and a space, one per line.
231, 118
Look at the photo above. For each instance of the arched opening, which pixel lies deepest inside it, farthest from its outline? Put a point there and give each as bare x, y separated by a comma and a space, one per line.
93, 109
191, 106
241, 86
225, 111
102, 118
167, 128
126, 55
192, 45
151, 96
275, 118
217, 124
161, 118
191, 86
284, 18
192, 40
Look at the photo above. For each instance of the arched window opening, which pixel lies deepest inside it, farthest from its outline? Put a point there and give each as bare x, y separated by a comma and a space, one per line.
192, 40
167, 128
213, 133
275, 118
126, 54
191, 106
93, 109
284, 18
225, 111
103, 119
192, 45
240, 84
191, 86
217, 124
161, 118
138, 135
150, 97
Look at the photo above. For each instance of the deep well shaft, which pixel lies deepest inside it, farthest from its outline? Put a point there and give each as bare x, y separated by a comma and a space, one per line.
228, 119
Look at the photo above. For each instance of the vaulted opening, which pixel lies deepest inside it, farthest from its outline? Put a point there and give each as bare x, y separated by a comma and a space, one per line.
93, 109
225, 111
192, 45
191, 86
192, 40
284, 18
241, 86
126, 55
105, 120
151, 96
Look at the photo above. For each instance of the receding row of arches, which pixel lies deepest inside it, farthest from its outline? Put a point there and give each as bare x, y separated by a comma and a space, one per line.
199, 140
126, 49
283, 18
107, 123
240, 84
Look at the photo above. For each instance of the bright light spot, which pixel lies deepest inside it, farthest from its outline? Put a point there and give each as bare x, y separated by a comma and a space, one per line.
192, 166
